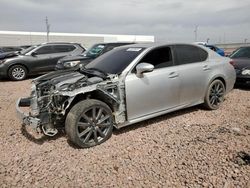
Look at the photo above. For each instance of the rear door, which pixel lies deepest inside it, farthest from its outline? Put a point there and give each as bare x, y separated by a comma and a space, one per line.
193, 70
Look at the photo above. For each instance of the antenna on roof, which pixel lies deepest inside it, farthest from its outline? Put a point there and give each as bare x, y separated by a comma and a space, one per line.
47, 27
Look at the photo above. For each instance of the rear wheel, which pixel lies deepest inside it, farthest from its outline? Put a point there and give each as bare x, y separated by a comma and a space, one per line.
215, 95
89, 123
17, 72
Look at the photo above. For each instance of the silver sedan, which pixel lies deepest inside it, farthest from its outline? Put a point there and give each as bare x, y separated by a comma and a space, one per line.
124, 86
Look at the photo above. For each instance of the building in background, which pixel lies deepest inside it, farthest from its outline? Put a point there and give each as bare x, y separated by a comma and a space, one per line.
20, 38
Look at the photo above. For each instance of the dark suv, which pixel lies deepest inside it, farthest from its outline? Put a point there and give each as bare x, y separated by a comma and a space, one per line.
95, 51
37, 59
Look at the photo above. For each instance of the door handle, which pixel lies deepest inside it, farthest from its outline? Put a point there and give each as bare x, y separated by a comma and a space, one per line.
173, 75
206, 67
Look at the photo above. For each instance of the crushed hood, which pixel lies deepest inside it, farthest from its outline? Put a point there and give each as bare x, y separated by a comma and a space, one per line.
57, 75
66, 79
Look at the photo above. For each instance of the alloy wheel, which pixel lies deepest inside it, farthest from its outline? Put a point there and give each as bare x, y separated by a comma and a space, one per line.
94, 125
18, 73
216, 95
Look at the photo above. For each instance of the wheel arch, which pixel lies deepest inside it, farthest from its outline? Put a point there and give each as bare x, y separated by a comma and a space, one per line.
96, 94
218, 77
207, 103
21, 64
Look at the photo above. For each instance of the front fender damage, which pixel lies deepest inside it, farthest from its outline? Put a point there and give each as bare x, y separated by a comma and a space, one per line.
51, 104
111, 93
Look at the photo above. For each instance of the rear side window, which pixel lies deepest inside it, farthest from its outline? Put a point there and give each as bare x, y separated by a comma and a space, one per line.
185, 54
63, 48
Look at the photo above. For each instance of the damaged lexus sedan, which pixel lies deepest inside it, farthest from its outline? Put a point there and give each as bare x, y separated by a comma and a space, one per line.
124, 86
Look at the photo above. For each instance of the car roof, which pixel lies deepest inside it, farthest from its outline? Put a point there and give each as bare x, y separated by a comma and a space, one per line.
67, 43
114, 43
156, 44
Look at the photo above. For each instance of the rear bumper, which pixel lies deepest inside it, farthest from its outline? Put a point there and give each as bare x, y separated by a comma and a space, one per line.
24, 117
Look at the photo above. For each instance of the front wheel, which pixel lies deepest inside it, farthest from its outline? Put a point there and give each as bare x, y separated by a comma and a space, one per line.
89, 123
215, 95
17, 72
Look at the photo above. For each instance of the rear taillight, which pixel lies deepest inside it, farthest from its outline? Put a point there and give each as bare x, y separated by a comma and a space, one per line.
232, 63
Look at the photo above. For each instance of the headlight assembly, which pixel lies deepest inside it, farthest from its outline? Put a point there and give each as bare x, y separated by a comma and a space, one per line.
71, 63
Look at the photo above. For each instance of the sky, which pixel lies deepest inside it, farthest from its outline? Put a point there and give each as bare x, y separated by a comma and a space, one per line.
220, 21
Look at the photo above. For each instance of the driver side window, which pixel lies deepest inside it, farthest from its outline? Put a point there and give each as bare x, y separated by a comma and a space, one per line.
160, 57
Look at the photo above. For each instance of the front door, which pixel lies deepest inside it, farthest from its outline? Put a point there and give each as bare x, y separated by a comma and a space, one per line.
154, 91
42, 59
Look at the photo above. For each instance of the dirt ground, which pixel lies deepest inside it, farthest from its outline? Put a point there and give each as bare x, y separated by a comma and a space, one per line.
189, 148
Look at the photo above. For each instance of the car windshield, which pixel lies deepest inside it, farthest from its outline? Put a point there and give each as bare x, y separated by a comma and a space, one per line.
241, 53
25, 51
115, 61
94, 51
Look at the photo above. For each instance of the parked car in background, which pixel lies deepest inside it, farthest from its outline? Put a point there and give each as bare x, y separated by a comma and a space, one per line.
126, 85
37, 59
16, 53
9, 51
241, 62
201, 43
25, 46
216, 49
212, 47
95, 51
8, 54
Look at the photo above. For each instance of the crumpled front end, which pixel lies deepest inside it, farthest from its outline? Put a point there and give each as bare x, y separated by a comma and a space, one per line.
43, 108
47, 104
26, 118
51, 98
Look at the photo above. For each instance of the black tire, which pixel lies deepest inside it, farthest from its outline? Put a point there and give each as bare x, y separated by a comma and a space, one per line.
214, 95
17, 72
89, 123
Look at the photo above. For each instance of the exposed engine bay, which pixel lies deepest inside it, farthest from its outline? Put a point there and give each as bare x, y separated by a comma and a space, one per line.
53, 95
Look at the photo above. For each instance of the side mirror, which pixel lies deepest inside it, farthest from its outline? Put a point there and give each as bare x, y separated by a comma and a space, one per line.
33, 54
144, 67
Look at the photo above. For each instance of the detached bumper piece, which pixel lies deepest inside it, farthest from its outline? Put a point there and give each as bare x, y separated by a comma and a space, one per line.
34, 122
25, 118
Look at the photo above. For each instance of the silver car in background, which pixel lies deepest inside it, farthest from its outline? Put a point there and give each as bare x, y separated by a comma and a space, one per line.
124, 86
